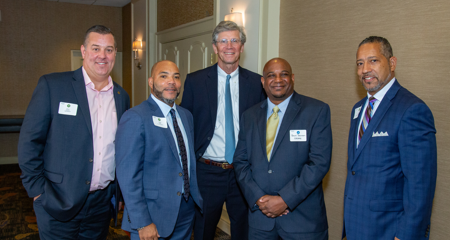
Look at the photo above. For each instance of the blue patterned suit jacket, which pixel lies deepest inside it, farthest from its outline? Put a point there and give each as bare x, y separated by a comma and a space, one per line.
391, 176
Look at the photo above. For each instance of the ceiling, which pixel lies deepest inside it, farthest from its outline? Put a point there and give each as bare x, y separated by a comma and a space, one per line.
110, 3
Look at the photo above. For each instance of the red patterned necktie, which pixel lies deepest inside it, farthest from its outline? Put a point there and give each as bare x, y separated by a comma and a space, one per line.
366, 119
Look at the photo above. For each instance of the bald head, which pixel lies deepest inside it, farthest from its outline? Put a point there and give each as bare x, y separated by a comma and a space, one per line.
278, 80
275, 61
165, 81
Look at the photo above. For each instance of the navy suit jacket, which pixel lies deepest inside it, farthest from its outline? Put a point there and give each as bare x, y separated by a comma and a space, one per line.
200, 98
55, 151
149, 168
295, 170
392, 174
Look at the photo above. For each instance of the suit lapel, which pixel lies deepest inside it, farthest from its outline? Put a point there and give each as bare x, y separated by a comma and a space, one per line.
261, 125
79, 88
244, 90
379, 114
120, 108
211, 87
156, 111
353, 131
291, 112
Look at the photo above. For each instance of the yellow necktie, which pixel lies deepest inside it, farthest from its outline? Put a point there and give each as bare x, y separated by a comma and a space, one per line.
271, 130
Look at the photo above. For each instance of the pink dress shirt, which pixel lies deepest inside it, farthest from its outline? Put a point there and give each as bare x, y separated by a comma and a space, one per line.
102, 108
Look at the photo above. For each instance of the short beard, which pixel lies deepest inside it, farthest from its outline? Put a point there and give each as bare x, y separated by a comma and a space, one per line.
378, 86
159, 95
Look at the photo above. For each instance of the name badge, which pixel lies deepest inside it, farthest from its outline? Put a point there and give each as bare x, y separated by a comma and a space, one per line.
357, 110
298, 135
68, 108
160, 122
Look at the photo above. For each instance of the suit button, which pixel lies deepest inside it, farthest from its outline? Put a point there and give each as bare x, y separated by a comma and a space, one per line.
353, 172
180, 174
199, 154
209, 139
179, 193
270, 171
88, 182
90, 160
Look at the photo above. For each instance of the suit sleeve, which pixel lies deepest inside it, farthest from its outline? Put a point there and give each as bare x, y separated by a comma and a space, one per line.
311, 175
252, 192
188, 98
130, 146
32, 139
418, 157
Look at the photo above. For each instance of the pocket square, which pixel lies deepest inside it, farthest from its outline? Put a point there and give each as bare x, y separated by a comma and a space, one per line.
380, 134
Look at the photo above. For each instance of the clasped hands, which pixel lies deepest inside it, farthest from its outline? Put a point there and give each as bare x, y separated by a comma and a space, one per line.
272, 206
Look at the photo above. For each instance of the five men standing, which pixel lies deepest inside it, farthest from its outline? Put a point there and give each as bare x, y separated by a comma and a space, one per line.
217, 96
391, 170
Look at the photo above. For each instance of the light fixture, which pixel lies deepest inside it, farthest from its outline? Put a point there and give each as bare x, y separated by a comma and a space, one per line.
137, 45
235, 17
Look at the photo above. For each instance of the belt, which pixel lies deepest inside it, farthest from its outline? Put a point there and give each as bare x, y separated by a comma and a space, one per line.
223, 165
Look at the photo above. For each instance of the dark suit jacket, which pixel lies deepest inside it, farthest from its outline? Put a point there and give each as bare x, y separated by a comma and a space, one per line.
295, 170
149, 169
200, 98
56, 151
392, 174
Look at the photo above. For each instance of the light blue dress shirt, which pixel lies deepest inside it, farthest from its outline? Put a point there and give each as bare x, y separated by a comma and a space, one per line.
165, 109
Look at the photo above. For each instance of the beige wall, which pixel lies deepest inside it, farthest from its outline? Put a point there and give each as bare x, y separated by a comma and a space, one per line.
35, 39
127, 46
172, 13
320, 38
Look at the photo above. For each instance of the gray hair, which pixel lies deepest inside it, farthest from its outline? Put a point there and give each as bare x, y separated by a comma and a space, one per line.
385, 46
228, 26
98, 29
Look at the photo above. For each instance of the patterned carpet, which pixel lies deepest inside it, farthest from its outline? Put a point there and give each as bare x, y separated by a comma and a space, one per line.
17, 219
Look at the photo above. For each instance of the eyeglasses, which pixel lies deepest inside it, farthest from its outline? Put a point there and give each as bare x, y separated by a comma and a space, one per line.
233, 41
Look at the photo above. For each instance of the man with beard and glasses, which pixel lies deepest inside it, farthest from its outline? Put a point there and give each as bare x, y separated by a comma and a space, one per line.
392, 156
217, 96
156, 165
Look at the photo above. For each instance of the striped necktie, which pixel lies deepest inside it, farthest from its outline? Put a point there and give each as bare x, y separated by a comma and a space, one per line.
271, 130
367, 117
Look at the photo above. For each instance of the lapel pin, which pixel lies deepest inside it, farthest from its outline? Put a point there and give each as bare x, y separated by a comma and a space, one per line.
118, 92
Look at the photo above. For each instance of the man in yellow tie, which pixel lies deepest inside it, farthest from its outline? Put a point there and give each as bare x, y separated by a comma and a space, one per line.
283, 153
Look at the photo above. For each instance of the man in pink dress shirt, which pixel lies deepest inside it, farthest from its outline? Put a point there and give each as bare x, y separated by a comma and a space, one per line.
67, 144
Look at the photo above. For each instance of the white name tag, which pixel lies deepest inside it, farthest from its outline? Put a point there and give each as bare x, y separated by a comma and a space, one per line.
298, 135
68, 108
357, 112
160, 122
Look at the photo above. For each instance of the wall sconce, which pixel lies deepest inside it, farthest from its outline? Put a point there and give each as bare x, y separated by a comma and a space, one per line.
235, 17
137, 45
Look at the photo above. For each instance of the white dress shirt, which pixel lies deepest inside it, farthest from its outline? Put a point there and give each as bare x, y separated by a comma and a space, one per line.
216, 149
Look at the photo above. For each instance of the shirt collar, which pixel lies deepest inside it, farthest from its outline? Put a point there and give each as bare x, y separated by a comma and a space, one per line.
223, 74
380, 94
165, 109
282, 106
88, 81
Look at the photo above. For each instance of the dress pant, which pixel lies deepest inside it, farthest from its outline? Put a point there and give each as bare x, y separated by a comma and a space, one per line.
278, 233
183, 226
92, 222
217, 186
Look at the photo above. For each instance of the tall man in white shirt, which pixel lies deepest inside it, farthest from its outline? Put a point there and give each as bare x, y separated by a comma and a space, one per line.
66, 145
217, 96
